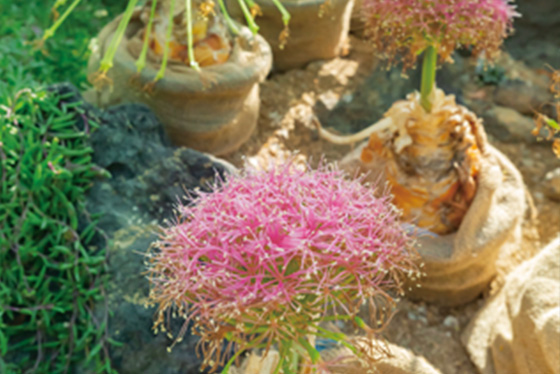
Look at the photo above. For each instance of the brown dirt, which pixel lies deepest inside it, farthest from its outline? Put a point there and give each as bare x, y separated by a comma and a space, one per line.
334, 91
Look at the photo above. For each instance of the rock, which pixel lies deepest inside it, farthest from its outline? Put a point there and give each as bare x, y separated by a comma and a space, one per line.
367, 103
451, 322
542, 14
147, 171
506, 124
522, 96
131, 322
329, 99
149, 176
552, 184
537, 32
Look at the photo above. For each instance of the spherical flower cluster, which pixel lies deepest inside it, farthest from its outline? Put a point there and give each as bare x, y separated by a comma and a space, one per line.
408, 27
263, 257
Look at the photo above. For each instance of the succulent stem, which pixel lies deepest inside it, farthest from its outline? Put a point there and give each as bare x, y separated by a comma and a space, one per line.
51, 30
190, 47
232, 26
107, 61
428, 78
141, 62
293, 361
249, 17
161, 71
283, 11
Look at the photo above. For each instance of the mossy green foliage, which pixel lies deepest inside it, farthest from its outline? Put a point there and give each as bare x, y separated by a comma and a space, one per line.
25, 64
491, 75
50, 275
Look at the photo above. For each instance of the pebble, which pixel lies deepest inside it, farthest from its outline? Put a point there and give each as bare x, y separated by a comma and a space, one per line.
538, 196
528, 162
522, 96
451, 322
552, 184
346, 98
329, 99
507, 124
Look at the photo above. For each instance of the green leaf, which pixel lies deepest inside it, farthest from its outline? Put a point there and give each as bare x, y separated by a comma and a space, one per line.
94, 351
3, 344
230, 362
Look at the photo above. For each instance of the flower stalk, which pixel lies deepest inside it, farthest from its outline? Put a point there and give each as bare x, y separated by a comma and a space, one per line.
141, 62
190, 44
248, 17
229, 21
428, 83
107, 61
161, 72
51, 30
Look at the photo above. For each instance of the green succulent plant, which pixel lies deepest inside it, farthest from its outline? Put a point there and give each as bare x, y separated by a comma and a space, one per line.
50, 274
248, 7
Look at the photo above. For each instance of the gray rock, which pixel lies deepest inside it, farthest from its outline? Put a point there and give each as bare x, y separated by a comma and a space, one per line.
524, 97
537, 32
142, 351
506, 124
452, 323
149, 177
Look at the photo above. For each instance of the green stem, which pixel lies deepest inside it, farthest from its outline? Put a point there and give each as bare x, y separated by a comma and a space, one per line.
293, 361
232, 26
107, 61
161, 71
283, 11
50, 31
428, 77
190, 45
59, 3
141, 63
247, 13
226, 368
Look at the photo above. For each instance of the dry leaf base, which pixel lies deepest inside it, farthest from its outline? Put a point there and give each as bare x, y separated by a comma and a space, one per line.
460, 264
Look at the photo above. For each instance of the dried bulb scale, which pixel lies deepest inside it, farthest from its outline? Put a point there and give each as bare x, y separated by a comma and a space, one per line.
431, 160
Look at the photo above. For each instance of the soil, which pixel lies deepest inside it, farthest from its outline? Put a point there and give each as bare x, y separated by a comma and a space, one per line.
349, 93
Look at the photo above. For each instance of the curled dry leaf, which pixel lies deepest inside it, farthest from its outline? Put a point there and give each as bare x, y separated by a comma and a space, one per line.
431, 160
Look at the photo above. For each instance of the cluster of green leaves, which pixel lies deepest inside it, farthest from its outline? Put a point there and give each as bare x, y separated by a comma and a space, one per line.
62, 57
491, 75
50, 275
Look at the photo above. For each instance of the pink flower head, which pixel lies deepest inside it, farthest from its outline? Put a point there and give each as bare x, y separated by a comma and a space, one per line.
260, 259
408, 27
